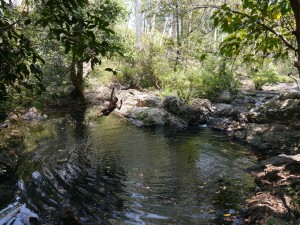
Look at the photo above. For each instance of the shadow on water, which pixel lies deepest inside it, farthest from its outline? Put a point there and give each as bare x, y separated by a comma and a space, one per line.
110, 172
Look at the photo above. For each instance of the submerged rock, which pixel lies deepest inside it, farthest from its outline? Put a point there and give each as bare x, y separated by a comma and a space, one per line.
18, 214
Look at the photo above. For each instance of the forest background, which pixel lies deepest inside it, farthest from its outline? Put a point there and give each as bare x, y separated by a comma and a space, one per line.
188, 48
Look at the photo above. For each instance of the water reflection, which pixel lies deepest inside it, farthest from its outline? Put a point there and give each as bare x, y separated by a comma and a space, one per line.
110, 172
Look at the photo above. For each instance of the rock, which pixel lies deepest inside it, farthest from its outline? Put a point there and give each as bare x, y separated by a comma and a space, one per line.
227, 110
289, 95
280, 159
145, 109
223, 97
240, 134
224, 124
34, 115
6, 124
13, 117
18, 214
282, 109
203, 105
218, 123
139, 99
186, 112
177, 122
151, 116
275, 137
104, 93
137, 123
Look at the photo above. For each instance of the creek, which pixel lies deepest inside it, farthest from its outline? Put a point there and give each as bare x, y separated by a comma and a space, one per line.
110, 172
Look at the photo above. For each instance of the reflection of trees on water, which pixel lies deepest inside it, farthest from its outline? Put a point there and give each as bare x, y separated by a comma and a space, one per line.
110, 173
65, 177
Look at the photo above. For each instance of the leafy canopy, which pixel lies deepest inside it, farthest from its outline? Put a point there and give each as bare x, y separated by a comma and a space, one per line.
18, 58
79, 24
256, 29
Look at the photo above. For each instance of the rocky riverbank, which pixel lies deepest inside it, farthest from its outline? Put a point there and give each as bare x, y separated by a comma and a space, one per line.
267, 120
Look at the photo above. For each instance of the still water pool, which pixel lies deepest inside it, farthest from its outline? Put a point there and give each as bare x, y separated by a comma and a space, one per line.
110, 172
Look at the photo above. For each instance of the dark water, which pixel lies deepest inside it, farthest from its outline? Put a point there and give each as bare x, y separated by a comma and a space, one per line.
110, 172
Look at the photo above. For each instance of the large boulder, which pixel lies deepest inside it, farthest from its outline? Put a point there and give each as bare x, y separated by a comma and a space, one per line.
144, 109
228, 110
284, 109
274, 137
147, 116
186, 112
203, 105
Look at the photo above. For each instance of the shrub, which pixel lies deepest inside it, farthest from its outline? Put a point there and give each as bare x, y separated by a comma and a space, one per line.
216, 77
264, 76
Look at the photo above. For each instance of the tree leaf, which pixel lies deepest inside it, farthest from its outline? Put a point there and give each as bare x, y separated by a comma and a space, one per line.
28, 21
109, 69
67, 47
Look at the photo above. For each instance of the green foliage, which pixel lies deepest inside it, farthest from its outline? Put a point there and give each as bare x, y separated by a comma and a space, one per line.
52, 32
257, 29
264, 76
183, 83
138, 69
83, 28
18, 59
216, 77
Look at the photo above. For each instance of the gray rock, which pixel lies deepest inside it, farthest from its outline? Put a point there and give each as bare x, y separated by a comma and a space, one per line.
275, 137
223, 97
137, 123
218, 123
283, 109
151, 116
186, 112
280, 159
18, 214
34, 115
225, 110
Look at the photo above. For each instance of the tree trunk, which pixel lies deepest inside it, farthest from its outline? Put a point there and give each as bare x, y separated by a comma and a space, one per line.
295, 4
138, 23
178, 51
76, 76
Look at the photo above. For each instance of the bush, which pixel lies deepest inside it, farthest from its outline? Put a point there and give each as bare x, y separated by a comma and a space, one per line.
183, 83
216, 77
264, 76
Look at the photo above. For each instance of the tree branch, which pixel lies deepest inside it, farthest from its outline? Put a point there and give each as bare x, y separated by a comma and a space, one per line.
23, 14
259, 22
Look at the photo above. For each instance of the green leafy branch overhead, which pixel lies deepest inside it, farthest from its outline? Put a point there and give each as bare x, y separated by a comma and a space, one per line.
265, 27
77, 23
258, 29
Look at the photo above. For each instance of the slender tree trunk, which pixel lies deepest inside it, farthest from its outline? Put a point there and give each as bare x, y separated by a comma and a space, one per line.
138, 23
76, 76
164, 30
295, 4
178, 51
